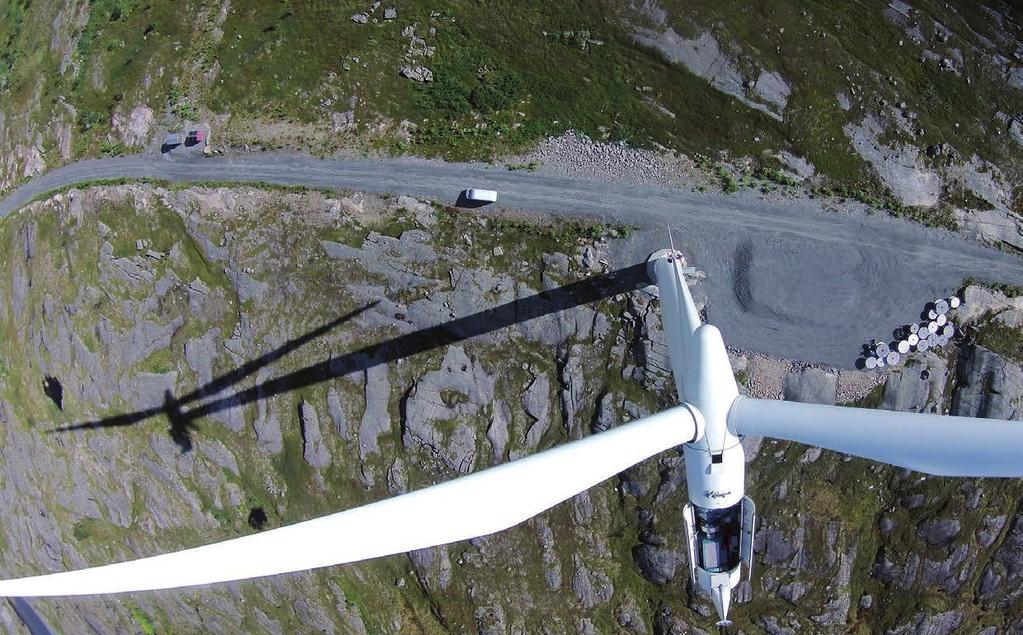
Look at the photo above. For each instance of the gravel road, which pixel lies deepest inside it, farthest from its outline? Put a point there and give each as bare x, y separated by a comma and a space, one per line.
784, 278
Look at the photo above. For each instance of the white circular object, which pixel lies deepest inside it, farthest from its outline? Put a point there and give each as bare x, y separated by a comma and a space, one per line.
941, 319
914, 328
954, 302
871, 362
881, 349
913, 339
932, 327
948, 331
932, 314
903, 347
932, 340
941, 306
922, 346
892, 358
880, 362
943, 340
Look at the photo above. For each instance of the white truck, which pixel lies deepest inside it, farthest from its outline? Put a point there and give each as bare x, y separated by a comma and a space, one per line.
481, 196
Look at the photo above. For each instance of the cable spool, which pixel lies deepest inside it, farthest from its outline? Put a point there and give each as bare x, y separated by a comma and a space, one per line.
903, 347
932, 340
954, 302
932, 327
942, 319
931, 314
941, 307
880, 362
881, 349
943, 340
948, 330
913, 339
892, 359
922, 346
914, 328
870, 363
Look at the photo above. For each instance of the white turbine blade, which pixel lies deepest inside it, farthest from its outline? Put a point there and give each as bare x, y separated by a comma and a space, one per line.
935, 444
678, 314
474, 505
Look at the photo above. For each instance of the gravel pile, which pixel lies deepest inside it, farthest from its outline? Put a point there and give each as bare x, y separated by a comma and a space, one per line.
765, 376
576, 155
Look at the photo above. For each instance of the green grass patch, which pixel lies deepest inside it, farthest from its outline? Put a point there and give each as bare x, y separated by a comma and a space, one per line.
1002, 339
143, 621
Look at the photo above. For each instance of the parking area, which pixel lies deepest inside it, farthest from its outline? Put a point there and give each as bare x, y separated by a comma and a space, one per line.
189, 141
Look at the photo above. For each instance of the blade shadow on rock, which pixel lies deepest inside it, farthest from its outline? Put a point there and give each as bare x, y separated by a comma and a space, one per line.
182, 426
182, 419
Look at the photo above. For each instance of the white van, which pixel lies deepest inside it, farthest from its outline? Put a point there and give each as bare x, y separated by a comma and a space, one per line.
483, 196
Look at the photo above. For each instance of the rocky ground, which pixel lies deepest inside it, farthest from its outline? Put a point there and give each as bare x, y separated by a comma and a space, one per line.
253, 358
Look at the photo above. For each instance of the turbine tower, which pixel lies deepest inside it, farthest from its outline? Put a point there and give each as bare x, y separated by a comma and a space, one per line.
709, 426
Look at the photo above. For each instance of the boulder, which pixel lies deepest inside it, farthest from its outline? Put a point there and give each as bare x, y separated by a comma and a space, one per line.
792, 592
497, 431
1002, 579
918, 386
313, 447
989, 387
940, 624
417, 73
591, 587
536, 401
939, 531
811, 385
657, 564
376, 418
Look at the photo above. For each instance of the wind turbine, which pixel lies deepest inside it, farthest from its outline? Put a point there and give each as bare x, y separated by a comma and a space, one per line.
709, 425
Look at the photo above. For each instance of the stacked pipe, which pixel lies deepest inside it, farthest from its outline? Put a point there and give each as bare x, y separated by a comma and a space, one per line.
934, 330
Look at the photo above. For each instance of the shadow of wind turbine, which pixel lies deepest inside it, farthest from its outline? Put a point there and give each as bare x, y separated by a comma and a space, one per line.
181, 426
515, 312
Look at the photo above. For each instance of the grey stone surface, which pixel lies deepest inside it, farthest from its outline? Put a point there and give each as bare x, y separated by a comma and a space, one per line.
1001, 578
657, 564
344, 426
836, 608
497, 431
939, 624
438, 405
989, 532
201, 353
810, 455
314, 449
989, 386
703, 57
606, 416
792, 592
949, 573
266, 424
939, 531
376, 419
433, 568
551, 563
901, 168
917, 386
629, 617
592, 587
536, 401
